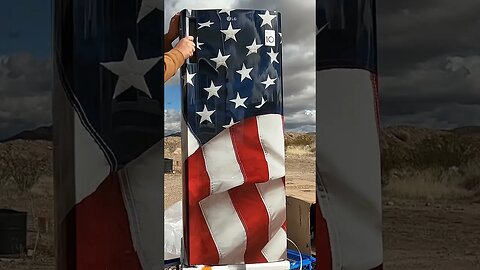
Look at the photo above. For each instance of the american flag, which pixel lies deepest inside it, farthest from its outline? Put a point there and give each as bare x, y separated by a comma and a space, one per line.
349, 213
109, 120
235, 210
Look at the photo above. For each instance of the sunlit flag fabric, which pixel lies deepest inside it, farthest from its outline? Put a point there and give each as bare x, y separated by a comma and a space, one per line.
108, 121
349, 217
235, 207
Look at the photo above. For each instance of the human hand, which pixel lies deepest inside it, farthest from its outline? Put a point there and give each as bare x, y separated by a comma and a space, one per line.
173, 30
186, 46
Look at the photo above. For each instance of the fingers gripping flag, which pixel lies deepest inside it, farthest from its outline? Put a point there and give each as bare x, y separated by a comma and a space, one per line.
233, 138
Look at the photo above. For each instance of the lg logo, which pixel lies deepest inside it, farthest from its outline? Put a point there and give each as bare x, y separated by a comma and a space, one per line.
270, 38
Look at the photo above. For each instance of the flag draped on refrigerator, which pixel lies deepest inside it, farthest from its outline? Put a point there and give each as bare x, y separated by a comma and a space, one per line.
232, 138
108, 131
349, 216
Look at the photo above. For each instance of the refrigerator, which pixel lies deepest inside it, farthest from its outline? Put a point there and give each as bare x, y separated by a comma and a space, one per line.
232, 139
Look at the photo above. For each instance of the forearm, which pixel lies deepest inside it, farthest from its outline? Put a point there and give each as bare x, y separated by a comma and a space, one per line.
173, 60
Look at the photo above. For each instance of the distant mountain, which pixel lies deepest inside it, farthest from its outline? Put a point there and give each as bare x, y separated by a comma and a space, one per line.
46, 134
173, 134
40, 133
467, 130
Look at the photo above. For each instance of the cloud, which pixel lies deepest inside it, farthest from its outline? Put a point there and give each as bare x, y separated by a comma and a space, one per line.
172, 121
25, 93
431, 91
430, 29
429, 62
300, 119
446, 117
298, 29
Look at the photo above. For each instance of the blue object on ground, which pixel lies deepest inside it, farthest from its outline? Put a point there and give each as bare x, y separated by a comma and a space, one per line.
294, 258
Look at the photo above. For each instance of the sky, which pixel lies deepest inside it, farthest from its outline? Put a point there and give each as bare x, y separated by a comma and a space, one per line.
25, 65
429, 62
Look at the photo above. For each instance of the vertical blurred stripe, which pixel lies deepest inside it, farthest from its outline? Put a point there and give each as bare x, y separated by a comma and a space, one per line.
349, 217
108, 134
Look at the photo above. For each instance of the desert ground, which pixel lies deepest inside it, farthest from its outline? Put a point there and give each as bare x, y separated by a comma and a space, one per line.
431, 213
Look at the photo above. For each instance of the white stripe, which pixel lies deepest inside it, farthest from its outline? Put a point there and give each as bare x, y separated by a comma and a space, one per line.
142, 188
225, 227
82, 166
221, 163
91, 166
276, 248
274, 198
349, 165
270, 131
192, 142
189, 141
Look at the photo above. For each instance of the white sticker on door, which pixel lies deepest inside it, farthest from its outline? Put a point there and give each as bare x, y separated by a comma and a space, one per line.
270, 38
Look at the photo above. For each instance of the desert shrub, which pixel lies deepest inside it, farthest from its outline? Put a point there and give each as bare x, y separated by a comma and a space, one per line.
433, 183
300, 140
22, 168
444, 152
4, 176
393, 158
471, 172
299, 150
472, 183
471, 175
440, 166
171, 144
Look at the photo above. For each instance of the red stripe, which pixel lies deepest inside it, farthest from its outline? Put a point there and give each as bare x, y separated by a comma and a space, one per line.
103, 238
322, 240
252, 212
374, 79
284, 225
201, 248
249, 151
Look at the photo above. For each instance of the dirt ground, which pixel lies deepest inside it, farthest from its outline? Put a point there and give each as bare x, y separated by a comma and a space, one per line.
443, 235
417, 235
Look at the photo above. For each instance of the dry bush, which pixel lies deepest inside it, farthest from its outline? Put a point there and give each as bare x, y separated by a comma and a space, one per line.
300, 140
444, 152
4, 176
471, 175
473, 183
22, 168
431, 184
298, 150
446, 165
171, 144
